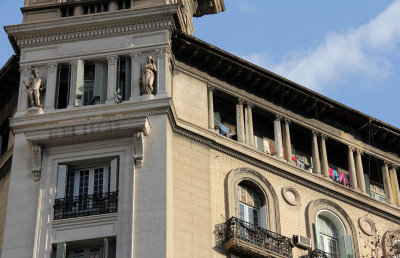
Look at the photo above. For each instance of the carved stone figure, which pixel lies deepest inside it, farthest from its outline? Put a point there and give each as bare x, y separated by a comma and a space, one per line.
148, 74
34, 87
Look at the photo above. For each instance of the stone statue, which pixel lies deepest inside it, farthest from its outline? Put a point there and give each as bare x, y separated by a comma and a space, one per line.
34, 87
148, 73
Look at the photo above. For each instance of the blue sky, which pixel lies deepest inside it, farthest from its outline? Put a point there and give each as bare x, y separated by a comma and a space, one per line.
346, 50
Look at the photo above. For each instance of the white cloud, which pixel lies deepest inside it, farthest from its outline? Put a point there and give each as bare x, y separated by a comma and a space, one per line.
358, 52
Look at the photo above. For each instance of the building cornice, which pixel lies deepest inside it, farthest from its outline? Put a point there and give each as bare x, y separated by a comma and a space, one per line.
92, 26
298, 176
310, 123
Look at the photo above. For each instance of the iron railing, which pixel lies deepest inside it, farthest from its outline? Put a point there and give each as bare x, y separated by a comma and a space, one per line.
85, 205
321, 254
258, 237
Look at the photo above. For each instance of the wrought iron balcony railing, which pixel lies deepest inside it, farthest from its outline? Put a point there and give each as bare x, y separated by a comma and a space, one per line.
321, 254
246, 238
86, 205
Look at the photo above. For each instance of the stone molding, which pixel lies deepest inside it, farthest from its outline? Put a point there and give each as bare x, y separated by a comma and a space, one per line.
76, 122
88, 33
367, 226
310, 184
288, 189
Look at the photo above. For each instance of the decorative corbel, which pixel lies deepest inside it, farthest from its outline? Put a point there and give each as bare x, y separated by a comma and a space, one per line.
138, 145
36, 162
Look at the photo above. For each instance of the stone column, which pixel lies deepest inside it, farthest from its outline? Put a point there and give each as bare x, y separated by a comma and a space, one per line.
162, 72
249, 124
352, 168
113, 6
278, 137
315, 153
240, 121
72, 84
77, 10
387, 184
51, 87
360, 172
210, 107
23, 94
135, 76
288, 144
112, 79
324, 156
395, 184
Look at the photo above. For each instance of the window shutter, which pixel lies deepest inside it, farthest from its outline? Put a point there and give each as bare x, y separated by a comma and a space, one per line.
318, 245
105, 249
80, 76
114, 175
367, 186
61, 181
346, 246
61, 250
263, 217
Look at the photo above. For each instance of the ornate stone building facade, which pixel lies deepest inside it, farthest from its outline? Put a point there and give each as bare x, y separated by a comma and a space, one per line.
132, 138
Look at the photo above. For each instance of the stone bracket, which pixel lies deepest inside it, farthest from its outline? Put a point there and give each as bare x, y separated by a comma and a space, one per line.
36, 162
138, 144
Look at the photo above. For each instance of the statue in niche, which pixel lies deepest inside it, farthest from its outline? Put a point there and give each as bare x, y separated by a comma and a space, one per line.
147, 78
34, 87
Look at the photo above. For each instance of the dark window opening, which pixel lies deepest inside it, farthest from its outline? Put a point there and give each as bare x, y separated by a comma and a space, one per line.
338, 162
124, 4
124, 78
67, 11
95, 8
263, 129
225, 115
91, 85
63, 85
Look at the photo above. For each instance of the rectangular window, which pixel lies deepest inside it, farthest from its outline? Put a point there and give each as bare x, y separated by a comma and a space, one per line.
86, 191
124, 78
91, 83
125, 4
63, 85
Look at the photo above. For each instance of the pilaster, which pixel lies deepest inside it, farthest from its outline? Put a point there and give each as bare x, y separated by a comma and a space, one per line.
72, 84
51, 87
112, 79
135, 75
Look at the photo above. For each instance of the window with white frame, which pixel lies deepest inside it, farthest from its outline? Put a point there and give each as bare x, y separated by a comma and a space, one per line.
328, 237
249, 205
86, 189
331, 235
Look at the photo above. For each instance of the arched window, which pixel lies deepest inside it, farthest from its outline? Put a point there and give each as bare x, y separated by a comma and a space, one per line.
249, 205
331, 236
251, 198
328, 236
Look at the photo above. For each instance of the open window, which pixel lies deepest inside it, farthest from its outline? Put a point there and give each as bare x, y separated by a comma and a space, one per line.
86, 188
331, 236
124, 78
91, 82
124, 4
63, 86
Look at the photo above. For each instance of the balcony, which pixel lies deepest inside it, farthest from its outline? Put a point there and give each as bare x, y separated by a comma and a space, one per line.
321, 254
250, 240
86, 205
